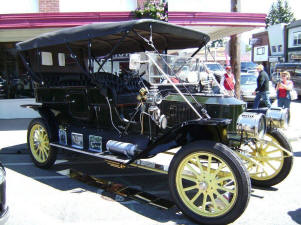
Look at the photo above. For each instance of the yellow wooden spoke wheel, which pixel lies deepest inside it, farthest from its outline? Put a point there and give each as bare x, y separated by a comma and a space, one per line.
39, 144
268, 164
208, 183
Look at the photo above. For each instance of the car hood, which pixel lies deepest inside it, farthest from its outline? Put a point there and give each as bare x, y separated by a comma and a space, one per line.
248, 87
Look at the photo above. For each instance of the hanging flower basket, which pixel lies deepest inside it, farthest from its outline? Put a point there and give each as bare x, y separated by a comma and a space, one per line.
153, 9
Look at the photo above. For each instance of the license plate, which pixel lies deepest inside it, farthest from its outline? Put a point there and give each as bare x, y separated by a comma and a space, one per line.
77, 140
95, 143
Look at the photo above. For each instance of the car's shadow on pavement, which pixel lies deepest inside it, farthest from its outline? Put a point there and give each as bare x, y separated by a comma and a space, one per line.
58, 177
295, 215
14, 124
265, 188
297, 154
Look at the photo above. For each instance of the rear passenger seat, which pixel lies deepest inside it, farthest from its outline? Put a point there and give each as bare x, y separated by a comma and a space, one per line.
65, 79
124, 90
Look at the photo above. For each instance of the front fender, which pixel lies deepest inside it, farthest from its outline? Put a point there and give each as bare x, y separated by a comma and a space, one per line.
187, 132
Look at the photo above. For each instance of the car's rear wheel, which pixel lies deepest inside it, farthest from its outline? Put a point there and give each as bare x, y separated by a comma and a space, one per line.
209, 183
38, 140
266, 161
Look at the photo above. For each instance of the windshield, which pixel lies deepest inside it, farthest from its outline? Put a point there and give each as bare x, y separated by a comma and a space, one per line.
248, 79
248, 65
180, 70
214, 67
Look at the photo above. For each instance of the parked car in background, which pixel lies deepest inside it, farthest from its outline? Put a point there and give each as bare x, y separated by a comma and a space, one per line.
247, 66
217, 69
3, 206
295, 71
248, 84
2, 87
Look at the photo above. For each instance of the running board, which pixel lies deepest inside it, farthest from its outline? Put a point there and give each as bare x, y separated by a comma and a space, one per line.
102, 155
118, 161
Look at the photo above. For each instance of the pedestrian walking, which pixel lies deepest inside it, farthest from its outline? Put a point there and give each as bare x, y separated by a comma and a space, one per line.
228, 82
284, 86
262, 90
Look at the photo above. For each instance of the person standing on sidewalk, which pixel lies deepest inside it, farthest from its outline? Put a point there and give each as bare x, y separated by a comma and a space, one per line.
283, 90
262, 90
228, 82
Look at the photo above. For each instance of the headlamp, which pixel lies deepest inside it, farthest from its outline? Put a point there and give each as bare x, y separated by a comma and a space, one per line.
252, 125
277, 117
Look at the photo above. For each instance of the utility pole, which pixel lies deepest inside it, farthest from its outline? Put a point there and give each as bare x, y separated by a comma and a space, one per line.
235, 51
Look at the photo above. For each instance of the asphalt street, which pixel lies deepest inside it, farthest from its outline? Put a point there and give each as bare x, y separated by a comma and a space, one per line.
42, 197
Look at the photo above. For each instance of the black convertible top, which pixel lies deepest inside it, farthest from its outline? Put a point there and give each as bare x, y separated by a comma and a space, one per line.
104, 36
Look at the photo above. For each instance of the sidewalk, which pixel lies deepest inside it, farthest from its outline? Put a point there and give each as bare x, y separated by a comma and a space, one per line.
11, 108
13, 134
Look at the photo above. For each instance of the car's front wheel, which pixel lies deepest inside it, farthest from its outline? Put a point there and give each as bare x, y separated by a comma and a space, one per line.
268, 160
209, 183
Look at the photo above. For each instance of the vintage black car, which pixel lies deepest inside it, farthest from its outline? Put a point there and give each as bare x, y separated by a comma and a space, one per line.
111, 90
3, 206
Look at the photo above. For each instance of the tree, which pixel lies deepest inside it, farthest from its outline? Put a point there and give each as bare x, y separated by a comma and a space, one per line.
280, 12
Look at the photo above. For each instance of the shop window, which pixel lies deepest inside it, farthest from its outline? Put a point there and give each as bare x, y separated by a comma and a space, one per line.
46, 59
279, 48
274, 49
260, 51
297, 38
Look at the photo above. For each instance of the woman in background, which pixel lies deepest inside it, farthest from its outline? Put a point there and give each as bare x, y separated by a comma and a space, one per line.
283, 90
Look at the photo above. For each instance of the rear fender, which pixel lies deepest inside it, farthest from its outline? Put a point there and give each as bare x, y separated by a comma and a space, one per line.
47, 115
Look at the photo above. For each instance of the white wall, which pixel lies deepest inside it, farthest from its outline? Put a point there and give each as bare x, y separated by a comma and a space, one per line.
276, 38
11, 109
97, 5
291, 36
19, 6
199, 5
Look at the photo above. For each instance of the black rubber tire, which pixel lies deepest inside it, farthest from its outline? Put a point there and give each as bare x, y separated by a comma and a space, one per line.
287, 164
239, 171
52, 151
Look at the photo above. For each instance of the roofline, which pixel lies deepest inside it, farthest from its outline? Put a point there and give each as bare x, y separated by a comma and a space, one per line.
71, 19
217, 18
297, 23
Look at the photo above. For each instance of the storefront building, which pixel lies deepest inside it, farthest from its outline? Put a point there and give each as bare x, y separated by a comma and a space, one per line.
277, 40
41, 16
294, 42
260, 49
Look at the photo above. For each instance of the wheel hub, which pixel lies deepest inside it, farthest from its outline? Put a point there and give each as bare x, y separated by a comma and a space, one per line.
203, 186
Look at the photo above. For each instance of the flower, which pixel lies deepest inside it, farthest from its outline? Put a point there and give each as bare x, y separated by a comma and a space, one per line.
153, 9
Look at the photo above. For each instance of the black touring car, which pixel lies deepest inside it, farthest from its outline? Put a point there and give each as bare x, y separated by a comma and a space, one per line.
111, 90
